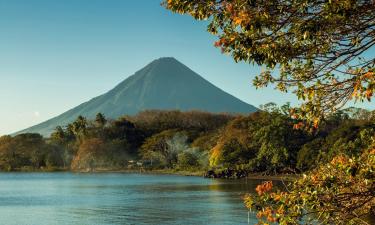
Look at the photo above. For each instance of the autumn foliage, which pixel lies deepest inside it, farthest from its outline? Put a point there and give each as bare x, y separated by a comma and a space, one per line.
319, 50
339, 192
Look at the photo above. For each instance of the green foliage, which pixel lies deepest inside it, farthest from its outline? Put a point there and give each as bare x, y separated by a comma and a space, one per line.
206, 141
318, 47
348, 138
162, 149
189, 159
339, 192
156, 121
171, 149
124, 130
233, 153
100, 120
27, 151
100, 144
55, 157
79, 127
307, 157
264, 141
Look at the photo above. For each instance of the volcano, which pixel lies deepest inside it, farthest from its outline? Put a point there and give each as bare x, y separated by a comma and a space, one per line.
164, 84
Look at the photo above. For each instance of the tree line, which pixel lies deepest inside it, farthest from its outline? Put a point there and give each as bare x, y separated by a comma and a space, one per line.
263, 142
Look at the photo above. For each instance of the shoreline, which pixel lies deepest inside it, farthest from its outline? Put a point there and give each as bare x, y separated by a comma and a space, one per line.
253, 176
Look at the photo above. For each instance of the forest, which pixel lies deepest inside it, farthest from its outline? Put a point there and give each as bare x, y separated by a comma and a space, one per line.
267, 142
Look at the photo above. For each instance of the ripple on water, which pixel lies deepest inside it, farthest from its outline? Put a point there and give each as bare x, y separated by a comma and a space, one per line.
115, 198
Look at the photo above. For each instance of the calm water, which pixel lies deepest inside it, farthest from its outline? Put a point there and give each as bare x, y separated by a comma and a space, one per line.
115, 198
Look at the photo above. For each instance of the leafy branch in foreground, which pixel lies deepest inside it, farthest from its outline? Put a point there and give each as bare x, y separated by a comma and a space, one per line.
321, 49
340, 192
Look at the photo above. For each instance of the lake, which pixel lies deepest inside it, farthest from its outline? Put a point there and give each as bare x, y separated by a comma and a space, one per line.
120, 198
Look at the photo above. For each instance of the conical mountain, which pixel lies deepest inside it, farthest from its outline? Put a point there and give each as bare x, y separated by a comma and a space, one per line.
164, 84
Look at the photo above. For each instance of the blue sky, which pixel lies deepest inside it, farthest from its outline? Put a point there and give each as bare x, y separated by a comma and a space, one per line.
57, 54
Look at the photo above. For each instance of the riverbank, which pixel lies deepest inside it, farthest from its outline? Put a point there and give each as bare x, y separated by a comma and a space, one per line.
197, 173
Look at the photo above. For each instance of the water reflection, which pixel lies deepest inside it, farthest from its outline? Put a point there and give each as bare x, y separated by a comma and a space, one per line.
68, 198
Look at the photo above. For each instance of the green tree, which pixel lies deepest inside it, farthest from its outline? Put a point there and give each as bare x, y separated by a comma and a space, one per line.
23, 151
163, 148
8, 155
264, 141
308, 156
155, 148
189, 159
55, 157
58, 135
64, 140
100, 120
317, 49
79, 127
124, 130
234, 153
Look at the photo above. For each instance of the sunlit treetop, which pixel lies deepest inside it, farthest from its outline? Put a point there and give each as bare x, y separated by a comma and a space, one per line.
321, 50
